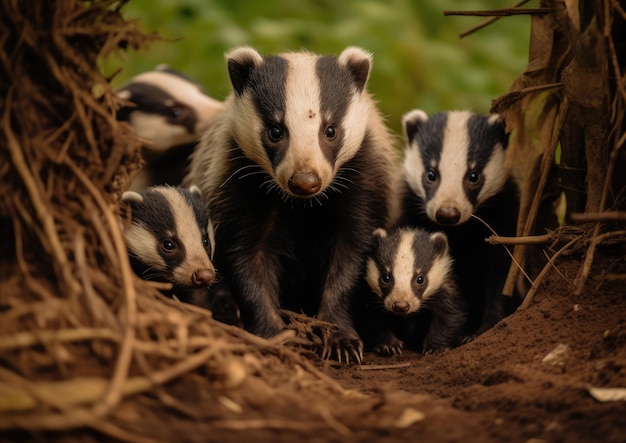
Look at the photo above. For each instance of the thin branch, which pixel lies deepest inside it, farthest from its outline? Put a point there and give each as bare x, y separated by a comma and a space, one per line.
501, 12
488, 21
611, 216
527, 240
535, 284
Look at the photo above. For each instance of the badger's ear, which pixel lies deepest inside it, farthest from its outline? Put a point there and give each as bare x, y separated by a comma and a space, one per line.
498, 125
195, 190
359, 63
440, 243
130, 197
380, 233
412, 122
241, 62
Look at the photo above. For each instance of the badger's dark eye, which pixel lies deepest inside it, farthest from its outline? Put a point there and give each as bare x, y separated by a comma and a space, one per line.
385, 279
174, 112
431, 175
275, 133
330, 132
205, 240
420, 280
168, 245
474, 177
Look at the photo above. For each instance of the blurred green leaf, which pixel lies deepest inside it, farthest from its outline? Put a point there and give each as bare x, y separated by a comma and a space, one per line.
419, 59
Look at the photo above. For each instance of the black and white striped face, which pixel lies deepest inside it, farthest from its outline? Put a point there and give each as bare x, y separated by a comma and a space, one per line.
300, 116
454, 162
171, 109
171, 237
406, 267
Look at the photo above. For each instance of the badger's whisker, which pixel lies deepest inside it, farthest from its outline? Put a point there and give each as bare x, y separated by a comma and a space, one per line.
237, 172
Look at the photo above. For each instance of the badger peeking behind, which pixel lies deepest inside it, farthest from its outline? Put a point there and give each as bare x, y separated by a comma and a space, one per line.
456, 181
170, 239
299, 170
171, 111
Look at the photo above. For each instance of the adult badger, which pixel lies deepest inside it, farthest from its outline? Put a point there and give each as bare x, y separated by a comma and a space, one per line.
454, 170
299, 171
171, 111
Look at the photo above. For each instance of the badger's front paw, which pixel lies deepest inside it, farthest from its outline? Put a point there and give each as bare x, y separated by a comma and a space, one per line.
344, 346
391, 347
267, 328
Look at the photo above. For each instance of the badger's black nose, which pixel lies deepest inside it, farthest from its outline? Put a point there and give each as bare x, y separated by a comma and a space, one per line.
305, 183
203, 277
401, 307
448, 216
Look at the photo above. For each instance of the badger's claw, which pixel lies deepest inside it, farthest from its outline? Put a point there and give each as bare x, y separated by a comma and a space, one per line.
393, 347
434, 350
344, 347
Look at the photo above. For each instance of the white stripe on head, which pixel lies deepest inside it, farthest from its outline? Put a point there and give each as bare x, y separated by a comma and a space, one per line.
403, 273
189, 234
452, 169
303, 120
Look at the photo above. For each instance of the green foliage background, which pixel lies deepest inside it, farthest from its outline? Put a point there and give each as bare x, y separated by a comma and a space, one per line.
419, 59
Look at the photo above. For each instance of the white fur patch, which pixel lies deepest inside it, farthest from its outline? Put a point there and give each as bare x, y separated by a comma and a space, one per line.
248, 125
142, 243
414, 170
413, 164
156, 130
373, 277
355, 124
495, 175
211, 233
438, 274
452, 169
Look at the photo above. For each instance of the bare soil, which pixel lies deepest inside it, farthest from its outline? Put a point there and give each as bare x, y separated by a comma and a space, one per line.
496, 388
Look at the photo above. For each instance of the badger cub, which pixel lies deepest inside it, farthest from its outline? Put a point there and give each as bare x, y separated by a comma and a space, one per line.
170, 238
455, 173
299, 170
414, 297
171, 111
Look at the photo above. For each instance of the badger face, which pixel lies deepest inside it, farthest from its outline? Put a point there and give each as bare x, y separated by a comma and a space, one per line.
299, 116
170, 109
170, 237
407, 266
454, 162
